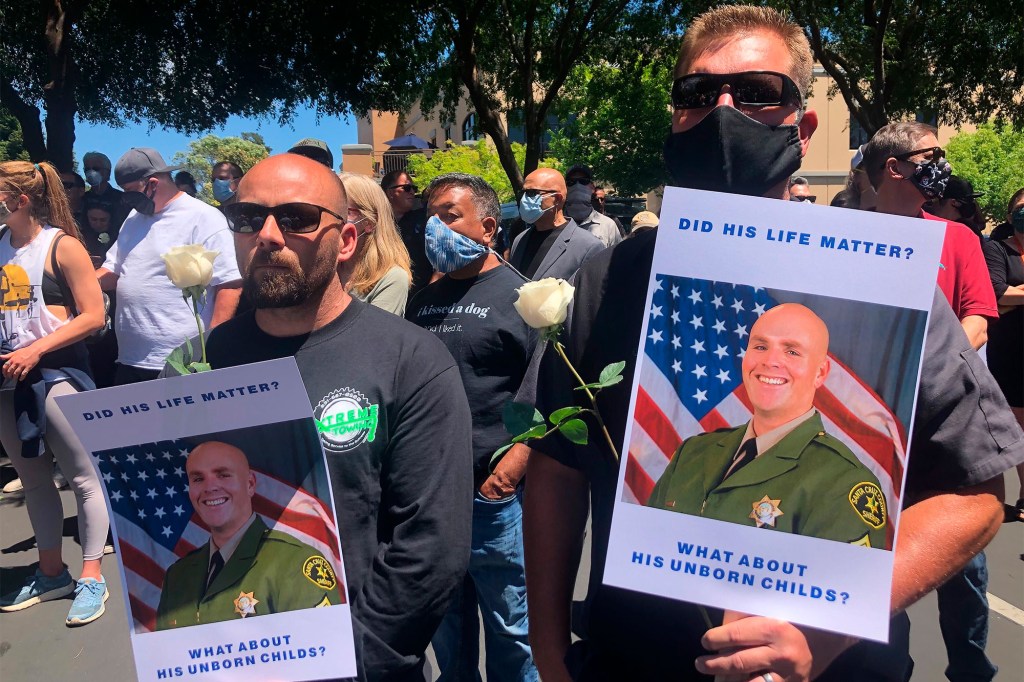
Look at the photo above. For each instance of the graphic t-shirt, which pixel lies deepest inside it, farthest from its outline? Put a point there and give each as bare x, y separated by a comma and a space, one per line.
491, 344
395, 427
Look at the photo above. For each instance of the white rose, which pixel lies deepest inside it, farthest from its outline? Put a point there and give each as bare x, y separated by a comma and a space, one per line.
545, 303
190, 266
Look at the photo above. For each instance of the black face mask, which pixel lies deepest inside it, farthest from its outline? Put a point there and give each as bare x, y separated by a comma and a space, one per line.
731, 152
140, 201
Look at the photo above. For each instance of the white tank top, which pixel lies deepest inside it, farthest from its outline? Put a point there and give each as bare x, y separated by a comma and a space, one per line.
23, 315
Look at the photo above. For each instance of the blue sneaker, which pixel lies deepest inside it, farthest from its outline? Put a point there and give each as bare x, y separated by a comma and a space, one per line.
38, 588
89, 597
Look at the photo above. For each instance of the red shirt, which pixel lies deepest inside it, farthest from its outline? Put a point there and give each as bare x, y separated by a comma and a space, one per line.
963, 275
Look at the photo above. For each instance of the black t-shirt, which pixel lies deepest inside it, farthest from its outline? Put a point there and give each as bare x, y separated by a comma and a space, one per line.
537, 246
395, 426
490, 342
963, 435
412, 228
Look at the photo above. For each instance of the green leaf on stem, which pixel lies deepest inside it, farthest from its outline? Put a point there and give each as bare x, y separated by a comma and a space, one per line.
197, 367
535, 432
563, 414
499, 453
519, 417
177, 361
610, 372
575, 430
188, 354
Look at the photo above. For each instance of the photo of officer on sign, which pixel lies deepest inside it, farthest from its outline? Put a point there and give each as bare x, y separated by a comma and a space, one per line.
782, 469
245, 569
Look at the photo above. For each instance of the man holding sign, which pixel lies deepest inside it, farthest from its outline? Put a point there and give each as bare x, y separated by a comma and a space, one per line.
740, 126
783, 456
263, 567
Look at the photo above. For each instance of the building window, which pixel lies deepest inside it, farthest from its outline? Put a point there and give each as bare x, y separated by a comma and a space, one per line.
448, 133
858, 136
469, 128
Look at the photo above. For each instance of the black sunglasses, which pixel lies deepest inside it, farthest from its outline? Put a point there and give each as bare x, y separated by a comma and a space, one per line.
407, 187
577, 181
748, 88
936, 154
297, 217
810, 197
537, 192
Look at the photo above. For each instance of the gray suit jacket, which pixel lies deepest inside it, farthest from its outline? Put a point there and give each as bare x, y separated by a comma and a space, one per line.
570, 250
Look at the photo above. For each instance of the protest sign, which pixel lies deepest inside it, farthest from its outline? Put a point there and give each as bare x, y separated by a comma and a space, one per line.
227, 537
802, 332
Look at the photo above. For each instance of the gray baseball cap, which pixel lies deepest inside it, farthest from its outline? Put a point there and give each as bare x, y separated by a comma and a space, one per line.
315, 149
138, 163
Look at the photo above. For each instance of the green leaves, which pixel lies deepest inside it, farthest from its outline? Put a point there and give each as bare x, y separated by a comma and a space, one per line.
520, 417
575, 430
564, 413
610, 375
177, 360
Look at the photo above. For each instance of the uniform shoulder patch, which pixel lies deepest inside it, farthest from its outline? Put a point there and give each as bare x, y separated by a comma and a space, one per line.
869, 503
319, 572
863, 542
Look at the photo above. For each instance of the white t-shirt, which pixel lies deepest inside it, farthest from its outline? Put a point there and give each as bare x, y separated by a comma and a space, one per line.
24, 318
152, 318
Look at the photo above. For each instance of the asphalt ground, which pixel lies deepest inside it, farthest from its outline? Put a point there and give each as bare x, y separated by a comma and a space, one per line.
36, 645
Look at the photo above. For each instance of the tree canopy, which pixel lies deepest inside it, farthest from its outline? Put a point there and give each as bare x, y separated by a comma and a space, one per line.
961, 61
992, 159
478, 159
512, 57
191, 64
246, 151
617, 119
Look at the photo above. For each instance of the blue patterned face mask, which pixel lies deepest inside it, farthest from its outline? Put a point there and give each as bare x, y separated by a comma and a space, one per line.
447, 250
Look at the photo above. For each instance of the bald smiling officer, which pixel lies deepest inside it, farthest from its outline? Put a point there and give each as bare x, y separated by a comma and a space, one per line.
781, 471
245, 569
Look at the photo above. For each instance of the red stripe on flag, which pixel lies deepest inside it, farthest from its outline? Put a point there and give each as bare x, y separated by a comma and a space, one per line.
713, 421
311, 526
285, 486
142, 564
900, 428
638, 481
878, 445
656, 424
184, 547
143, 613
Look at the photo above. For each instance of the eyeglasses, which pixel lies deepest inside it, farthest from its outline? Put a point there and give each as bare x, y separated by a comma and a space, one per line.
810, 197
748, 88
577, 181
537, 192
296, 217
936, 154
411, 188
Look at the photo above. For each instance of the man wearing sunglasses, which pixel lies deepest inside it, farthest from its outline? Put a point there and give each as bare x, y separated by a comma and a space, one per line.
579, 204
739, 126
800, 190
411, 219
151, 318
907, 168
390, 405
552, 245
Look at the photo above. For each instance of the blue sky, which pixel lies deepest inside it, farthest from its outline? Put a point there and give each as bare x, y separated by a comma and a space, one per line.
114, 142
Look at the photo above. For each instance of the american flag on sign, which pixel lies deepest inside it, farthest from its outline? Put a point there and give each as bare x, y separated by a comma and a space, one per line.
690, 382
155, 524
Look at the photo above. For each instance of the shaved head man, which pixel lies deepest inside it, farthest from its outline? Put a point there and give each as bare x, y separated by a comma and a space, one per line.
780, 470
552, 245
785, 363
246, 569
380, 388
220, 486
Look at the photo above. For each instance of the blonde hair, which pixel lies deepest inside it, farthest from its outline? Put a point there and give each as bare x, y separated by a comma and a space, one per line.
721, 23
381, 249
41, 183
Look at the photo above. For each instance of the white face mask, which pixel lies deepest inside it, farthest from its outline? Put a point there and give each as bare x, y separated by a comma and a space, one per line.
579, 202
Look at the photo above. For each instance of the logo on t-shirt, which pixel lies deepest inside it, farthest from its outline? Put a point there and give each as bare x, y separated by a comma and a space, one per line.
345, 419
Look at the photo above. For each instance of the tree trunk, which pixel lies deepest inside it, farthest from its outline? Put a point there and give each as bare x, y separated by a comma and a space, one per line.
59, 92
28, 119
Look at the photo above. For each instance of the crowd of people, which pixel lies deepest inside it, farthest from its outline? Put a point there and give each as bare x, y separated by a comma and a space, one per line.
410, 304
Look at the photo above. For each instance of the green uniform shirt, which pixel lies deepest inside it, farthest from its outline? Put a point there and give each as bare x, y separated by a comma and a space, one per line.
269, 572
808, 483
